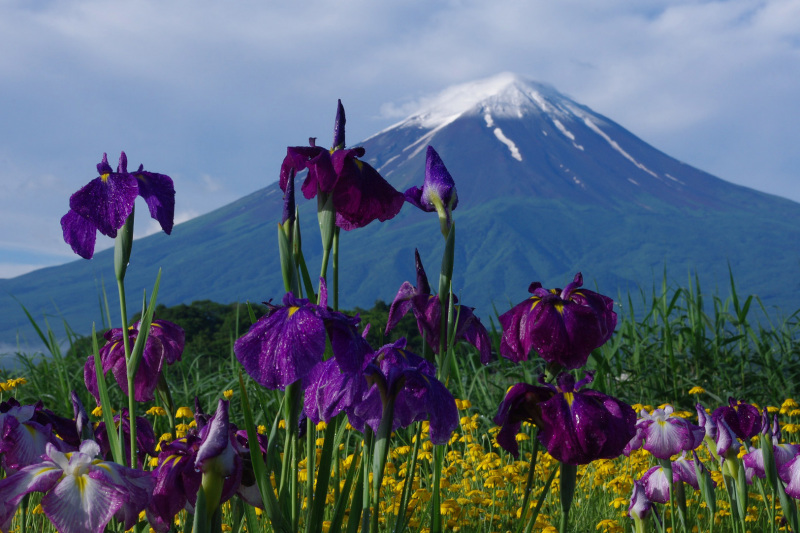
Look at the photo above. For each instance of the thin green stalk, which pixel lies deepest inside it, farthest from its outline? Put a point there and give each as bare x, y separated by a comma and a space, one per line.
568, 480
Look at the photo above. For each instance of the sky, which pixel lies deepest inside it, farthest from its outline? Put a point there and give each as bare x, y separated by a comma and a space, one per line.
211, 93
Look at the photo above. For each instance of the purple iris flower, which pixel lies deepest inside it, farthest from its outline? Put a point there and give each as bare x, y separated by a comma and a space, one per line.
656, 484
665, 435
576, 426
640, 506
743, 418
182, 463
164, 345
390, 373
145, 438
82, 493
438, 191
789, 473
360, 195
563, 326
286, 343
24, 435
107, 201
428, 312
782, 453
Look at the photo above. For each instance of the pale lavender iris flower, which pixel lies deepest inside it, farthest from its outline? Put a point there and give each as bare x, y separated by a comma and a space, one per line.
665, 435
82, 493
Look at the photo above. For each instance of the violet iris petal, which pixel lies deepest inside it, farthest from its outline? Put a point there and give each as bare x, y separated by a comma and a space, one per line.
164, 345
22, 439
285, 344
158, 192
428, 312
82, 493
562, 326
329, 391
107, 201
216, 452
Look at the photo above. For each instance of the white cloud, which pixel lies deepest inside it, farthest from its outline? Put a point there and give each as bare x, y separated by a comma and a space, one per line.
208, 90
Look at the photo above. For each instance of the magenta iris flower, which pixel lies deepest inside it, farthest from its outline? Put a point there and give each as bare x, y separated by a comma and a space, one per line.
743, 418
438, 192
575, 426
360, 194
286, 343
428, 312
164, 346
640, 507
82, 493
665, 435
563, 326
107, 201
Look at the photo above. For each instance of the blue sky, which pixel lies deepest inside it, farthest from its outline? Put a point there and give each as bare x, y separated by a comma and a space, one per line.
212, 93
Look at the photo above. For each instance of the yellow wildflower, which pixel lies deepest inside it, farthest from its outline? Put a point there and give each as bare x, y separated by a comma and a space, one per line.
184, 412
697, 390
156, 411
228, 394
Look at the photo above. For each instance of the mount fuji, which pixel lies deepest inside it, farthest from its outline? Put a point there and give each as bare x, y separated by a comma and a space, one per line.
547, 187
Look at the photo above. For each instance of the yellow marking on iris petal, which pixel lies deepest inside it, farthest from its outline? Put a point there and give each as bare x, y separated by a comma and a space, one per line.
293, 310
569, 397
536, 300
104, 177
80, 483
559, 306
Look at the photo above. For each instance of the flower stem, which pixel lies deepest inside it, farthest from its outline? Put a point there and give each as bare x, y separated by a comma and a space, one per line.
122, 254
568, 479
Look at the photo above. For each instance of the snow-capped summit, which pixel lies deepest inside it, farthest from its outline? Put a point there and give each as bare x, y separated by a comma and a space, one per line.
528, 138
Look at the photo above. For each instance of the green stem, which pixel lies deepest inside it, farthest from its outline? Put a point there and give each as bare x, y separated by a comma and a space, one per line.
568, 480
380, 454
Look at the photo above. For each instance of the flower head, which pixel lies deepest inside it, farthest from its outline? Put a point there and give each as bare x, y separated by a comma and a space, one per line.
428, 311
576, 426
82, 493
563, 326
106, 202
286, 343
743, 418
360, 195
438, 191
666, 435
164, 344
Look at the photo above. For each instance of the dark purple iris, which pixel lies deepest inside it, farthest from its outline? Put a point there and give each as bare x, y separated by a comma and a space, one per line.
438, 191
563, 326
428, 312
107, 201
391, 374
575, 426
145, 438
360, 195
164, 345
743, 418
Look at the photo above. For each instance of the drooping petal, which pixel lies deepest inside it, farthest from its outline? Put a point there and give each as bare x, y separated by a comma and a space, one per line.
158, 192
640, 507
361, 194
656, 485
35, 478
216, 453
82, 504
283, 346
80, 233
329, 391
521, 403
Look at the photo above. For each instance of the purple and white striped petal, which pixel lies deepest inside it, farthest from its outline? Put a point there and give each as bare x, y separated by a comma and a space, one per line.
656, 485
